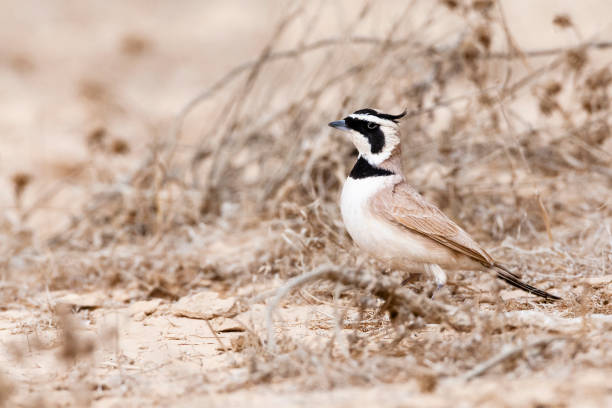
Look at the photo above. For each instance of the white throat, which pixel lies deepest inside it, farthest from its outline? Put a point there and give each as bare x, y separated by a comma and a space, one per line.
378, 158
365, 149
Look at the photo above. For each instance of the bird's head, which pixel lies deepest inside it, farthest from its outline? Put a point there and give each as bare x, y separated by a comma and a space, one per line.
374, 134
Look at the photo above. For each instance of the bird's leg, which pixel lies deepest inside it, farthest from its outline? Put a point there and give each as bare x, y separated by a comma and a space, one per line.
411, 277
438, 274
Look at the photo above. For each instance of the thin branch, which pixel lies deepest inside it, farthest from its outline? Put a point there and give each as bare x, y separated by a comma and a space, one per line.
404, 305
546, 52
509, 353
214, 332
271, 57
280, 293
324, 43
514, 49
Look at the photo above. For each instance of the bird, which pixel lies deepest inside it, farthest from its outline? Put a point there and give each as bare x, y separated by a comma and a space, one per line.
389, 219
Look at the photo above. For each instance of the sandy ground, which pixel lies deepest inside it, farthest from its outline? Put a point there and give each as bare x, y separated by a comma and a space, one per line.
150, 353
67, 68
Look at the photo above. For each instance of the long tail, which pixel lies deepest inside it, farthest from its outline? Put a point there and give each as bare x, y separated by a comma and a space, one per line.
513, 279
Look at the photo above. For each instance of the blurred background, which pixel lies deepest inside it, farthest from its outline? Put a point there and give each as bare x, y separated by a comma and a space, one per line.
127, 69
153, 149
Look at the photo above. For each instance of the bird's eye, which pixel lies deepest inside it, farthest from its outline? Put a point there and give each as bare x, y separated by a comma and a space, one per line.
372, 125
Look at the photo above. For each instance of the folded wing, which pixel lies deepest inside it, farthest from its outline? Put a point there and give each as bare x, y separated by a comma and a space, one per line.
404, 206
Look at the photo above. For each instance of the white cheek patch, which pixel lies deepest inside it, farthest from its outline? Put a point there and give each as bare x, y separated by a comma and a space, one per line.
365, 149
361, 143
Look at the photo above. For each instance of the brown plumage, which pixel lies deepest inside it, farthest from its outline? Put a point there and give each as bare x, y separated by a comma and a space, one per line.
403, 206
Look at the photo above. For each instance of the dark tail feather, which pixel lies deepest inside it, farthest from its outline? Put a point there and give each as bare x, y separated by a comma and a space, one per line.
512, 279
503, 268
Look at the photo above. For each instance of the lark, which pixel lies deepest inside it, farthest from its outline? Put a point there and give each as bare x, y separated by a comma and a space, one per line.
389, 219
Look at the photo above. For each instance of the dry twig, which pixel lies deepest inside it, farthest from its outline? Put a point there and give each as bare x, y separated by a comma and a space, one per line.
506, 354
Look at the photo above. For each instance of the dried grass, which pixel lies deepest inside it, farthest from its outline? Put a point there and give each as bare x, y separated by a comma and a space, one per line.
514, 144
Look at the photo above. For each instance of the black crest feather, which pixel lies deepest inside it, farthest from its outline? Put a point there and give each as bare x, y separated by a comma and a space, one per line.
387, 116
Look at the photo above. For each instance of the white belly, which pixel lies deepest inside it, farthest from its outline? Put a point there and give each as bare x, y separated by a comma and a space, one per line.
379, 237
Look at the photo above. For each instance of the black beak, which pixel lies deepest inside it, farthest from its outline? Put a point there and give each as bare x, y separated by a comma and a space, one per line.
340, 125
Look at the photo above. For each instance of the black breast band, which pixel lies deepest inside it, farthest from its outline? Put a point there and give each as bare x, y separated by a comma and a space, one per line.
363, 169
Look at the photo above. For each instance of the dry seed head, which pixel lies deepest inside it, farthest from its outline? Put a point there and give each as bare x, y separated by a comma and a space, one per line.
482, 6
553, 88
134, 45
485, 100
576, 59
599, 79
20, 182
451, 4
96, 137
595, 103
562, 21
469, 52
547, 105
483, 35
119, 146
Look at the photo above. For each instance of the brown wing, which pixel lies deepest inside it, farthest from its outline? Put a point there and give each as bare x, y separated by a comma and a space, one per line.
404, 206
